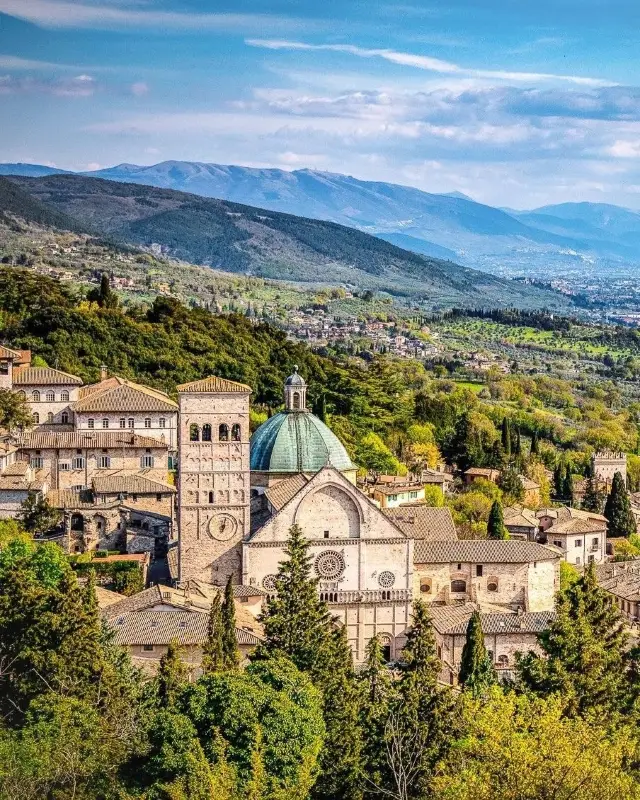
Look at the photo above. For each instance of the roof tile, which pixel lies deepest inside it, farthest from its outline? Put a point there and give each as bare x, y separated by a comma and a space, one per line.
482, 551
214, 385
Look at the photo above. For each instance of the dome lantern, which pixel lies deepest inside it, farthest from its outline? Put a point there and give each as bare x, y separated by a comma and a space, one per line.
295, 392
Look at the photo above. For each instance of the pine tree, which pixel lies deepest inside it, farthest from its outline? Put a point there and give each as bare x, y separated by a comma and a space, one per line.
296, 621
584, 659
535, 444
212, 652
476, 670
230, 653
617, 510
172, 676
495, 525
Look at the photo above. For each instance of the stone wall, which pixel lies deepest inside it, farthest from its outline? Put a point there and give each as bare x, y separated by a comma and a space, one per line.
168, 434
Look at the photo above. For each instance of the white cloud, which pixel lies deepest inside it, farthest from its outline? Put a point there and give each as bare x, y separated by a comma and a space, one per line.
129, 16
425, 62
139, 89
624, 149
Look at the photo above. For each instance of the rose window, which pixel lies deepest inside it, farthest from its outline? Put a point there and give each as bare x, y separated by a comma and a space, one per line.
330, 565
269, 582
386, 579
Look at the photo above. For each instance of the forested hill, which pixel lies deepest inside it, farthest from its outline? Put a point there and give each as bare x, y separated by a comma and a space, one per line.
247, 240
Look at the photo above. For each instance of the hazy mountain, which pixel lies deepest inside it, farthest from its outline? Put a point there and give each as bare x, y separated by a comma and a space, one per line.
30, 170
242, 239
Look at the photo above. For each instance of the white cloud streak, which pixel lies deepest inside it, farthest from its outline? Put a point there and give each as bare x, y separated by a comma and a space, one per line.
425, 62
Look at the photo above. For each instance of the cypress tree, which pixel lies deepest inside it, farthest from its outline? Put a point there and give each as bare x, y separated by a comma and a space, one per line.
558, 481
377, 692
230, 654
295, 620
506, 437
518, 448
476, 670
495, 524
212, 652
172, 676
567, 492
592, 499
617, 510
535, 444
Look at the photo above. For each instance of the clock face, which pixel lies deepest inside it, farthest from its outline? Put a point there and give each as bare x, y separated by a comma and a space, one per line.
222, 527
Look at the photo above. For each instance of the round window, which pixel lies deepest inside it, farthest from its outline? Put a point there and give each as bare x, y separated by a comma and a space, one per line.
492, 586
386, 579
329, 565
269, 582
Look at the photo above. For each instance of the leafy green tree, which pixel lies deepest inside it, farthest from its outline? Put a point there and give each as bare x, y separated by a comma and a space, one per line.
212, 652
559, 480
506, 437
476, 670
567, 490
230, 653
466, 446
14, 411
511, 485
584, 652
103, 295
172, 676
495, 526
617, 510
37, 516
592, 499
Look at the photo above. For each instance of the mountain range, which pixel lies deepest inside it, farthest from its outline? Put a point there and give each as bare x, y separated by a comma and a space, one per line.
242, 239
440, 225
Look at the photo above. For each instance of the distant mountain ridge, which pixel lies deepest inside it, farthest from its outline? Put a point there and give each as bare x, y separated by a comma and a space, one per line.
474, 234
247, 240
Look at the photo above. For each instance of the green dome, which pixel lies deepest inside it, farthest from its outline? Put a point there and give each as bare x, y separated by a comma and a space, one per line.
296, 442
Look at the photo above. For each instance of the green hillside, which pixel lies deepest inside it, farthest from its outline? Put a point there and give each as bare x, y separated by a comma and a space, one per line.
242, 239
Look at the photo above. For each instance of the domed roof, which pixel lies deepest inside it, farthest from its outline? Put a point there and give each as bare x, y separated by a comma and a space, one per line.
296, 442
295, 379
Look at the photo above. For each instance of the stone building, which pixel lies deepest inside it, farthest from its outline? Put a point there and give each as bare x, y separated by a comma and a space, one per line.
605, 464
49, 392
521, 523
580, 535
392, 495
621, 579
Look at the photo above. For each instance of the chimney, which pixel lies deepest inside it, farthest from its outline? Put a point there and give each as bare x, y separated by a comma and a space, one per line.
104, 373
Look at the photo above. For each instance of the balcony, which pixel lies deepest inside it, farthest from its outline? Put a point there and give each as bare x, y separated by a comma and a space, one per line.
366, 596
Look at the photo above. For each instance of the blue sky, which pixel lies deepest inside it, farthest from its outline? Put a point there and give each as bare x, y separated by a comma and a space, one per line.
517, 103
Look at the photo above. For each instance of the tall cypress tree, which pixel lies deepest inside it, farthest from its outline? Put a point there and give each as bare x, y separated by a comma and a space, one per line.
592, 499
495, 525
476, 670
617, 510
558, 480
506, 437
230, 653
535, 444
172, 676
567, 491
213, 652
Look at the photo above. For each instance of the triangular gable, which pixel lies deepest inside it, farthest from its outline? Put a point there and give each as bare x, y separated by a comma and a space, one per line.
373, 523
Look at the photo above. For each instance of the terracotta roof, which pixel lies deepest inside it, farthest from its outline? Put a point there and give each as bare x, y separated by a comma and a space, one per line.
479, 551
280, 494
423, 522
44, 376
107, 383
8, 353
71, 499
163, 627
172, 562
17, 468
520, 517
124, 397
398, 488
129, 484
214, 385
99, 440
576, 526
106, 598
483, 472
567, 512
455, 619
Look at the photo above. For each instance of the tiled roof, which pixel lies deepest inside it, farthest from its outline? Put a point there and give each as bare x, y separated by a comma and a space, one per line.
483, 472
567, 512
482, 551
130, 484
17, 468
44, 376
107, 383
423, 522
172, 562
163, 627
576, 526
520, 517
70, 499
125, 397
214, 385
398, 488
455, 619
106, 598
8, 353
65, 440
280, 494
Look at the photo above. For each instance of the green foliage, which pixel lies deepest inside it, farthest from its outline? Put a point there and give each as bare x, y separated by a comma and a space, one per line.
14, 411
476, 670
511, 485
617, 510
230, 653
495, 525
373, 455
37, 515
172, 676
212, 652
593, 499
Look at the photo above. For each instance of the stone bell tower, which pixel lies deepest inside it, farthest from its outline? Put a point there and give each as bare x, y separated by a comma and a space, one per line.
213, 479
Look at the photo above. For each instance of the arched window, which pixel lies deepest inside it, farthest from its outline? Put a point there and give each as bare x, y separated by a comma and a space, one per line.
36, 418
211, 498
64, 418
105, 423
51, 396
458, 586
22, 395
223, 433
296, 399
235, 433
64, 396
132, 422
35, 396
194, 432
206, 432
49, 417
503, 661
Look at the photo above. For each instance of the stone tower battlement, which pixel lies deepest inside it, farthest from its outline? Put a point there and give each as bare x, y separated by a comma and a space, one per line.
606, 463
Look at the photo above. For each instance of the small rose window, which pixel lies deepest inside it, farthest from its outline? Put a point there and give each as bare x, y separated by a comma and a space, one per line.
329, 565
269, 582
386, 579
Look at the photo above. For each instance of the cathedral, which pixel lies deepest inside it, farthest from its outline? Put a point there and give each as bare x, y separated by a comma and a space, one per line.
239, 496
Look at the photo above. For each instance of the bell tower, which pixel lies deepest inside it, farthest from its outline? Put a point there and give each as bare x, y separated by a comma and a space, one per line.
295, 392
213, 479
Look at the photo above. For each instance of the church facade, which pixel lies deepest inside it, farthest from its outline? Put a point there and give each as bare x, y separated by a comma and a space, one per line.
237, 501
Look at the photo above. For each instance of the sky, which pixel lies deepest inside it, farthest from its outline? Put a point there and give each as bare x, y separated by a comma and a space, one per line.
517, 103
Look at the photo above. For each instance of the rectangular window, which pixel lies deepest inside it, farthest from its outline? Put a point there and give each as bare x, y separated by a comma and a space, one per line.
104, 462
326, 534
78, 462
596, 542
478, 570
131, 422
123, 422
413, 495
578, 562
558, 543
148, 648
578, 543
37, 463
64, 466
162, 422
105, 423
147, 422
158, 498
393, 497
147, 462
90, 423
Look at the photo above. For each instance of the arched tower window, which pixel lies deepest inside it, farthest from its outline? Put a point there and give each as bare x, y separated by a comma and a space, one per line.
235, 433
206, 432
35, 396
64, 418
51, 397
211, 497
64, 396
36, 418
223, 433
296, 401
194, 432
